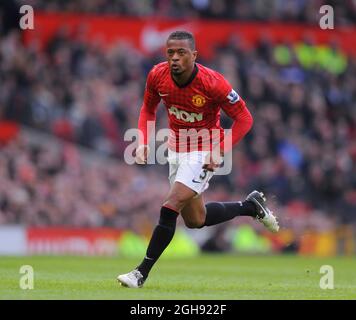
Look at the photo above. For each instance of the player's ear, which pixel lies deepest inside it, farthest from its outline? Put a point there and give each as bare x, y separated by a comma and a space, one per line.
195, 54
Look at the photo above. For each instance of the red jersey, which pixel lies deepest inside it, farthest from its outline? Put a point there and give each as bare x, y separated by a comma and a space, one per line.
193, 107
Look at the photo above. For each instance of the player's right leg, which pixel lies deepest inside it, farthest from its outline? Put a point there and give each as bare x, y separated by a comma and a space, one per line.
163, 233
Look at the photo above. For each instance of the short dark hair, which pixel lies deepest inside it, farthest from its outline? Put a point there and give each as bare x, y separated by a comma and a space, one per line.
183, 35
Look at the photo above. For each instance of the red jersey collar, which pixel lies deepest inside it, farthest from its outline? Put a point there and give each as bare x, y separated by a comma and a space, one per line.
191, 78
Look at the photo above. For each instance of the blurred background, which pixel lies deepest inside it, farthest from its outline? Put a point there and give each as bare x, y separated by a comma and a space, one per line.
72, 86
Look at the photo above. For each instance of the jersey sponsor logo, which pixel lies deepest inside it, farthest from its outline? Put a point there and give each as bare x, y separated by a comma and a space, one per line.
198, 100
184, 115
233, 96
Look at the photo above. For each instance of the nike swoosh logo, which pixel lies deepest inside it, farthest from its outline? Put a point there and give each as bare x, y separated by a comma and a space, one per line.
195, 181
263, 209
163, 94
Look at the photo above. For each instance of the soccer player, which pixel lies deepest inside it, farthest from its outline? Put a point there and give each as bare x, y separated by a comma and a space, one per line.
193, 96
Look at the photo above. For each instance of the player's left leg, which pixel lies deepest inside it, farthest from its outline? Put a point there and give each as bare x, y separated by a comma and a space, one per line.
196, 214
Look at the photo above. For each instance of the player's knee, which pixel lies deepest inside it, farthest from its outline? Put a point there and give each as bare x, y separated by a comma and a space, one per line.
176, 202
195, 224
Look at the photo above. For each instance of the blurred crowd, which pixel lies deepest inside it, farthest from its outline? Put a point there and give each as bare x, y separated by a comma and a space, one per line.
302, 148
51, 183
45, 181
306, 11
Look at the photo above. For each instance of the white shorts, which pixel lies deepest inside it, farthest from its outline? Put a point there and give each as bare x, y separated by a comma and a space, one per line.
186, 168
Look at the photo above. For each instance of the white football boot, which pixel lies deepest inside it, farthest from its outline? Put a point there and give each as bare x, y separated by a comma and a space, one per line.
264, 214
133, 279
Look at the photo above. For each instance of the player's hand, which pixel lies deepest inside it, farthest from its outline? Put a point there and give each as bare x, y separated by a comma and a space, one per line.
213, 160
142, 153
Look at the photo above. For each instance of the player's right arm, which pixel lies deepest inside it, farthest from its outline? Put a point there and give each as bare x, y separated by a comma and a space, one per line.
147, 118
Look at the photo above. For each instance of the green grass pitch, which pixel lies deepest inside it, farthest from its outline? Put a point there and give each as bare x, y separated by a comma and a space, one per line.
205, 277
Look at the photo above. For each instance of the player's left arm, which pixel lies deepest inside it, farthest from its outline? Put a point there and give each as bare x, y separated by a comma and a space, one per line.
235, 107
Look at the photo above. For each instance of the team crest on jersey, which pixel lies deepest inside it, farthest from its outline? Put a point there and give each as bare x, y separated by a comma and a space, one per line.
233, 96
198, 100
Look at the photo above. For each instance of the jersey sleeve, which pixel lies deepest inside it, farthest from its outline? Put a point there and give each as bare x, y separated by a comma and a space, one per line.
148, 111
226, 97
235, 107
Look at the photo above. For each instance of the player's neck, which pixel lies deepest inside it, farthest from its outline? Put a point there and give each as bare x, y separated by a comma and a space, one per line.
185, 78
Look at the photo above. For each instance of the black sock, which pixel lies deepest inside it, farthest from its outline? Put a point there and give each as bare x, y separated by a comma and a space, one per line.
161, 237
217, 212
